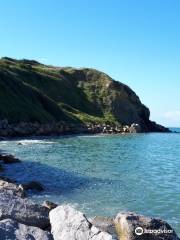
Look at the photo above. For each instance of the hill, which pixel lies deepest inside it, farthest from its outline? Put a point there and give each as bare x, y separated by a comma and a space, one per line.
32, 92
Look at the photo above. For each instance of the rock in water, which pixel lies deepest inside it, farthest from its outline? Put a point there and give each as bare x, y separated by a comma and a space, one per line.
70, 224
12, 230
23, 210
1, 168
9, 159
33, 185
131, 226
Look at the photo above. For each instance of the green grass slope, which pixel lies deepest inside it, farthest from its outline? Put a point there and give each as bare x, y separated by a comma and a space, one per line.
20, 101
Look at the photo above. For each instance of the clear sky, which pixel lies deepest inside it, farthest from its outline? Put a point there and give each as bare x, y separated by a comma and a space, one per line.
134, 41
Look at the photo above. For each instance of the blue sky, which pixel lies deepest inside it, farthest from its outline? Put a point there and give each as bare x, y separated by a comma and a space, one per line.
134, 41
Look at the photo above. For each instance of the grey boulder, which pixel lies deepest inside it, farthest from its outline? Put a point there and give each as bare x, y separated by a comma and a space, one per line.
12, 230
23, 210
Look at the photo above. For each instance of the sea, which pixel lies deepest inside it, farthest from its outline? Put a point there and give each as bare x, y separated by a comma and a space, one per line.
104, 174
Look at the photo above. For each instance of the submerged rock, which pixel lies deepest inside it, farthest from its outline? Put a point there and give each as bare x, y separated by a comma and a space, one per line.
33, 185
70, 224
1, 168
9, 159
12, 230
23, 210
131, 226
7, 179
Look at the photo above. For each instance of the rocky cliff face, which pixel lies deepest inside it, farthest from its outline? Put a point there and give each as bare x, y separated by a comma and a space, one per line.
112, 97
36, 93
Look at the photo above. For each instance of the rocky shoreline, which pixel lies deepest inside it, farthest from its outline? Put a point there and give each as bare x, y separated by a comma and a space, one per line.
25, 129
22, 219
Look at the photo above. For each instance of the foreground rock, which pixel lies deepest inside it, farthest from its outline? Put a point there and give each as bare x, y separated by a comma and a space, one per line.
12, 230
23, 210
131, 226
11, 188
70, 224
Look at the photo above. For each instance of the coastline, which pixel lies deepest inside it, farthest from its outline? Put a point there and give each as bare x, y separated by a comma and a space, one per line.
106, 225
26, 129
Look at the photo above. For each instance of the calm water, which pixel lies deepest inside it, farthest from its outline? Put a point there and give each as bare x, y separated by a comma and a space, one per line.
103, 175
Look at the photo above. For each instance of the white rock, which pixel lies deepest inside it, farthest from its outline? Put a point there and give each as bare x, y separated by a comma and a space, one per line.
12, 230
69, 224
135, 128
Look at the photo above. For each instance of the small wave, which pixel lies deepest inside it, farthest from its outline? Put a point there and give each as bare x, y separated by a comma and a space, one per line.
91, 136
27, 142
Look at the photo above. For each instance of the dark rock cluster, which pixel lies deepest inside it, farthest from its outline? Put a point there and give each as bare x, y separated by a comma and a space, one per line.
61, 128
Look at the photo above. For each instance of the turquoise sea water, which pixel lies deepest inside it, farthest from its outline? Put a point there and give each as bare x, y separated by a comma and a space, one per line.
103, 175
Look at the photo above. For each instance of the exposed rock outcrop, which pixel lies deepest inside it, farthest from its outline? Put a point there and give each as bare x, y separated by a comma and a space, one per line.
131, 226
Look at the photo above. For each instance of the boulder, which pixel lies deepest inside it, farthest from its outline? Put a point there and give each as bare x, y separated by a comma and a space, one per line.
131, 226
23, 210
33, 185
135, 128
69, 224
12, 188
49, 205
12, 230
105, 224
126, 129
9, 159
